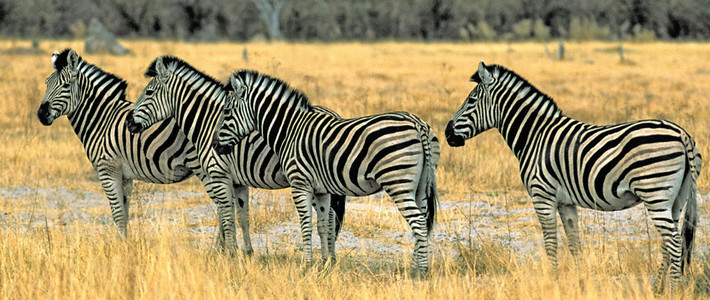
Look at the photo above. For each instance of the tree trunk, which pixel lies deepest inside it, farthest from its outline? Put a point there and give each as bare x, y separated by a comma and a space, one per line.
269, 11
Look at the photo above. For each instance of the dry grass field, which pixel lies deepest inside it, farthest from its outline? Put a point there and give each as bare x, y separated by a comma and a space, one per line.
57, 239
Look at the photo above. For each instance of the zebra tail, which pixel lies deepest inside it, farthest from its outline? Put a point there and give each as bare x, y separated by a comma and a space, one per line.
690, 220
430, 172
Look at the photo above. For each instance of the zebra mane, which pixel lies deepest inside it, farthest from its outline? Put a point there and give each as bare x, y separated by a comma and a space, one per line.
61, 60
503, 72
89, 69
249, 77
180, 64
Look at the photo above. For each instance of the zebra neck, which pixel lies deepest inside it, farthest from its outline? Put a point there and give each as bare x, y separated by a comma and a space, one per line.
197, 115
101, 97
277, 120
525, 117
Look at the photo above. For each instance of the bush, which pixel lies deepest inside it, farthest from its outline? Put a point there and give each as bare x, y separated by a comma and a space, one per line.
540, 31
643, 35
586, 29
522, 30
484, 31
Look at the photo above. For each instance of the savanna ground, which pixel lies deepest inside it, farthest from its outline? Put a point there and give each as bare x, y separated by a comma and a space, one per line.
57, 239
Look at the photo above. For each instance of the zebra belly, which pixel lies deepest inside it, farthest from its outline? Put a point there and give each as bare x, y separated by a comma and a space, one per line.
175, 174
623, 201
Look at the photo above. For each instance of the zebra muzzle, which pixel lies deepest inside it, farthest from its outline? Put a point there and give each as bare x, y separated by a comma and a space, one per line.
44, 115
451, 138
132, 125
222, 149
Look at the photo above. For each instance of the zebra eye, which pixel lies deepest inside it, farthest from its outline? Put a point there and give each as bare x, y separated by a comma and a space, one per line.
65, 85
149, 92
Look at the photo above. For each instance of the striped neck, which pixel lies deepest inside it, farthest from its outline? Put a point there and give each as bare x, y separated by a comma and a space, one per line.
100, 94
276, 107
524, 111
199, 105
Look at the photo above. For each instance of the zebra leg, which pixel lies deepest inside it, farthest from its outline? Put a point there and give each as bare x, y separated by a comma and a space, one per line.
111, 181
127, 192
242, 201
220, 233
219, 240
671, 249
221, 194
326, 225
333, 231
303, 200
416, 218
337, 203
545, 210
568, 215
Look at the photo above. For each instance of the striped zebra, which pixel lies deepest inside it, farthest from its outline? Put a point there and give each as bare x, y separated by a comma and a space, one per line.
194, 100
94, 102
395, 152
565, 163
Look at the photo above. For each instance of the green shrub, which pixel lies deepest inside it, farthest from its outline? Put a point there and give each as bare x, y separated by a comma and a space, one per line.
540, 31
582, 29
523, 29
641, 34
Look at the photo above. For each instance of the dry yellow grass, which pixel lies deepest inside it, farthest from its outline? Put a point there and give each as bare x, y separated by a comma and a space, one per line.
52, 259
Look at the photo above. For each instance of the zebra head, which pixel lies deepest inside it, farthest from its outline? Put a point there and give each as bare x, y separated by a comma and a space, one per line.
478, 112
153, 104
236, 122
61, 96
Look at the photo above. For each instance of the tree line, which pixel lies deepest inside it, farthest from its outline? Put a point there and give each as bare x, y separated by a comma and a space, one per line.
333, 20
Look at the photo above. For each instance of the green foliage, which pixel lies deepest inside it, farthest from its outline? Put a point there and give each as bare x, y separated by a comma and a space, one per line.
540, 31
586, 29
643, 35
523, 29
485, 31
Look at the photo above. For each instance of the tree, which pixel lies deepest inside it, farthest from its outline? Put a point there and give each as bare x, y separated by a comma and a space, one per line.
269, 13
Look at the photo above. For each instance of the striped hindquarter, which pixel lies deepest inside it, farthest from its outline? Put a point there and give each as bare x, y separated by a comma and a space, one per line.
394, 152
565, 163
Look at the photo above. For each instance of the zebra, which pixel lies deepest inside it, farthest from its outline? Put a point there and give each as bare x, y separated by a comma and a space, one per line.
95, 104
565, 163
179, 91
395, 152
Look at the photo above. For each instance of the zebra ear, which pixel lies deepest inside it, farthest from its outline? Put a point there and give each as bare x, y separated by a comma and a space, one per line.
229, 101
163, 72
483, 75
239, 88
54, 59
73, 63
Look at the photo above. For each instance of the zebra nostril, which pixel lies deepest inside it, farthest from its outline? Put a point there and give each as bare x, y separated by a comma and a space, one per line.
222, 149
44, 115
451, 138
132, 125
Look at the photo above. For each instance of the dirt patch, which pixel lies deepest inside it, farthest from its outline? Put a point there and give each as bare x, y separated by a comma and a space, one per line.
469, 221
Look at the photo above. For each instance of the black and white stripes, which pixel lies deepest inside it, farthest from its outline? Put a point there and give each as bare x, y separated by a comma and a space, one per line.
395, 152
565, 163
195, 101
94, 102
